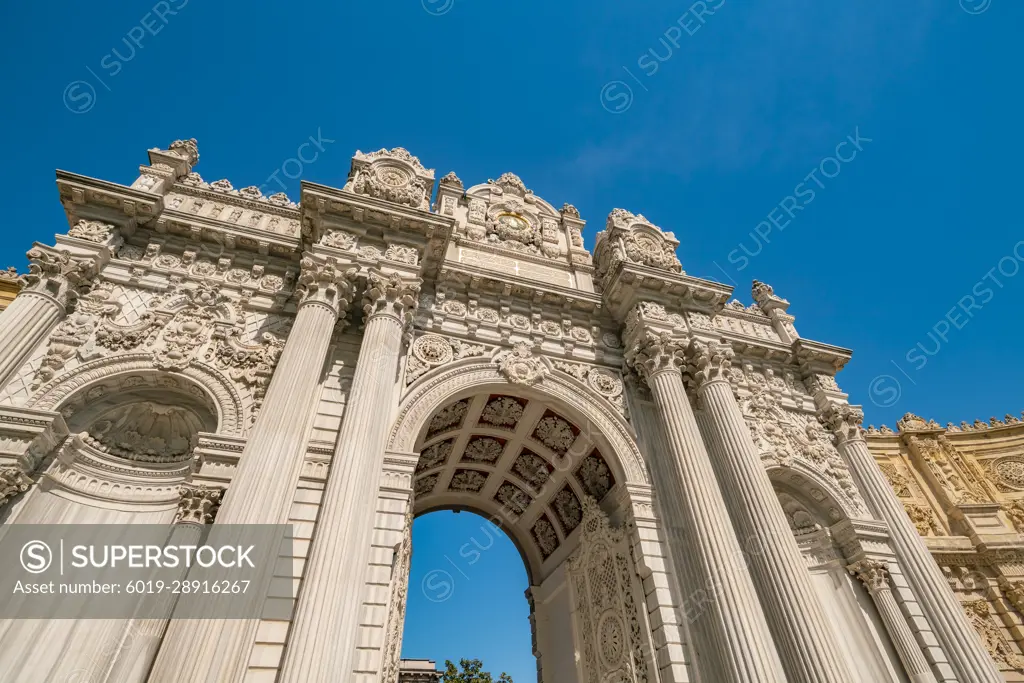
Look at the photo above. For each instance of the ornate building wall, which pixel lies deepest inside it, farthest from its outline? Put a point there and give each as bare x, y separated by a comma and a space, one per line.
963, 487
8, 287
689, 488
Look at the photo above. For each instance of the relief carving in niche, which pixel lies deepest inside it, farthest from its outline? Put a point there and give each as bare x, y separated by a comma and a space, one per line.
503, 412
555, 432
1008, 473
614, 637
924, 519
954, 473
897, 481
979, 612
532, 469
545, 536
513, 498
567, 509
448, 418
467, 481
483, 449
594, 476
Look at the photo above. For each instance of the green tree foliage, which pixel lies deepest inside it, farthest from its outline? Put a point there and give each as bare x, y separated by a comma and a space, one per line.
470, 671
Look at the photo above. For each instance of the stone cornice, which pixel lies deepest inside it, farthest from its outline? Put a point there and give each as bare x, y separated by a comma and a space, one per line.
819, 357
487, 282
323, 207
93, 199
629, 283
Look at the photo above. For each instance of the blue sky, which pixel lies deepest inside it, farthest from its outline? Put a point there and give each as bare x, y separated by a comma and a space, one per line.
709, 143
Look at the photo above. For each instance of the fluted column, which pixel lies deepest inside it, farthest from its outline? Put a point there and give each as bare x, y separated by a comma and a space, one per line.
54, 281
321, 645
804, 638
959, 640
875, 577
263, 486
731, 636
134, 655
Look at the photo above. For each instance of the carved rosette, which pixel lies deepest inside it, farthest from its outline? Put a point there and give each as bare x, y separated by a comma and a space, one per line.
709, 362
198, 504
844, 421
12, 482
872, 573
392, 295
652, 353
326, 283
521, 365
57, 274
431, 351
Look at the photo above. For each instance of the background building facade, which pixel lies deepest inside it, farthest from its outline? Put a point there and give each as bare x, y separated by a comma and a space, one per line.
689, 487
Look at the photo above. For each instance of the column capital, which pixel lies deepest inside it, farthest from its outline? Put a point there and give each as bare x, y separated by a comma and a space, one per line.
843, 420
708, 362
13, 481
874, 574
198, 504
390, 294
325, 281
57, 275
651, 353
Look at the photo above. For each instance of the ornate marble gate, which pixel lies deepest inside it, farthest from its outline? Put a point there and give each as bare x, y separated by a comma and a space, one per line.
688, 485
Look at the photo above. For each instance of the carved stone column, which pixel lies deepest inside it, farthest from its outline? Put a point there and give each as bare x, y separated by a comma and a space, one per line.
875, 576
54, 281
139, 643
726, 621
263, 486
321, 645
805, 640
957, 637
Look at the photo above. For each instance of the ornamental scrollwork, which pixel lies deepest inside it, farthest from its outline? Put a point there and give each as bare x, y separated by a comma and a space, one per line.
614, 637
979, 613
521, 365
605, 383
431, 351
57, 274
92, 231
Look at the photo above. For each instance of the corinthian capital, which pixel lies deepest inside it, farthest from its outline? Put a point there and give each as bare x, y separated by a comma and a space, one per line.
12, 482
325, 282
709, 361
873, 574
198, 504
57, 274
390, 294
843, 420
651, 353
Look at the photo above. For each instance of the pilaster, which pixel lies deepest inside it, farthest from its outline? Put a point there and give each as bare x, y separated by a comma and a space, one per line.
957, 637
808, 649
322, 642
727, 623
263, 486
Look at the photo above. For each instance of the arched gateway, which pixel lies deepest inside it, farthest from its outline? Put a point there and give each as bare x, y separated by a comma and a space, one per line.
687, 484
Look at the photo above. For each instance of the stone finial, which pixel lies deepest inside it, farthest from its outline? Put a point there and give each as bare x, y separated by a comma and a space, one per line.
451, 180
631, 238
570, 210
911, 422
765, 298
186, 149
511, 183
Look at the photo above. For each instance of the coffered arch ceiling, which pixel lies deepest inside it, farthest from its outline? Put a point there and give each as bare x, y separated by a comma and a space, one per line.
519, 461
